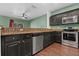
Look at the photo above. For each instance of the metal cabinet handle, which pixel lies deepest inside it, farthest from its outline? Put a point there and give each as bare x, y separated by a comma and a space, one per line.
19, 42
13, 38
12, 45
23, 41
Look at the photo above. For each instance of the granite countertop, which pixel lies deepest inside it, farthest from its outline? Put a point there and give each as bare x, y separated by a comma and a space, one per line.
27, 30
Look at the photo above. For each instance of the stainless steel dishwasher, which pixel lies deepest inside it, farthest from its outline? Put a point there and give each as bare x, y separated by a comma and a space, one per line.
37, 42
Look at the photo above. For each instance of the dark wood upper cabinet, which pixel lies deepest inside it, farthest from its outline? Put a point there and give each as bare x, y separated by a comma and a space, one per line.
57, 19
74, 12
54, 20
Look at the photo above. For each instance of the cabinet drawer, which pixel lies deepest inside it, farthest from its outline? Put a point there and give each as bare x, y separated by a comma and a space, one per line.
12, 38
26, 36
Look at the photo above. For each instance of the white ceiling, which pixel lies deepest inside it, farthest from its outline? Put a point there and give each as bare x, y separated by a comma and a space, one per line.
32, 9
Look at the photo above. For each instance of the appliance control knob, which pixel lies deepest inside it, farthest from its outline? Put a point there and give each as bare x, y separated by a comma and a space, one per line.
18, 42
23, 41
13, 38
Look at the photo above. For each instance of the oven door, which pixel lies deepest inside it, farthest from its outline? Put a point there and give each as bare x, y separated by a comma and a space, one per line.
70, 36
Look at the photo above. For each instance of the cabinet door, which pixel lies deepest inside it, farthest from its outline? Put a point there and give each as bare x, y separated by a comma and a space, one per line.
52, 21
47, 39
55, 20
74, 12
58, 37
26, 47
52, 37
77, 12
58, 20
2, 45
12, 50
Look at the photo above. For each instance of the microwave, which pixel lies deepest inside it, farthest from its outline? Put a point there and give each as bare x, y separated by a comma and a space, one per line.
70, 19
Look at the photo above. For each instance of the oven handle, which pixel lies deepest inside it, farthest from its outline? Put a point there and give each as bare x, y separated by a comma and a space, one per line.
12, 45
17, 42
70, 32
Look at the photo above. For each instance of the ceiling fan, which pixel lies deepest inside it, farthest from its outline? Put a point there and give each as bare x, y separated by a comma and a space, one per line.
25, 14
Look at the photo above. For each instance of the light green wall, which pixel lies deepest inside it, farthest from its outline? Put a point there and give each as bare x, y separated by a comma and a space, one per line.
4, 21
39, 22
24, 22
66, 26
71, 7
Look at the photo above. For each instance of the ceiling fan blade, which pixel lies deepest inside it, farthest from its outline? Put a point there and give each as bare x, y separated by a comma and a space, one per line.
23, 14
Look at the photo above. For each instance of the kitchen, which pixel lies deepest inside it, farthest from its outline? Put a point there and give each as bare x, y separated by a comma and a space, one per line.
39, 29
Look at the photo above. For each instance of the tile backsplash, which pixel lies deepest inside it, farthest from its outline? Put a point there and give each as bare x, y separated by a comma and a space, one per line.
75, 26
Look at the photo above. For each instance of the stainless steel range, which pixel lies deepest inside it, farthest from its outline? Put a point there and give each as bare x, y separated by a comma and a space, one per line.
70, 37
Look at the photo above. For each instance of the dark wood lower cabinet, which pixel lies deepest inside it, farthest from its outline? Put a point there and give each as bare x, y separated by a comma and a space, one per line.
47, 39
26, 47
52, 37
20, 47
12, 50
57, 37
